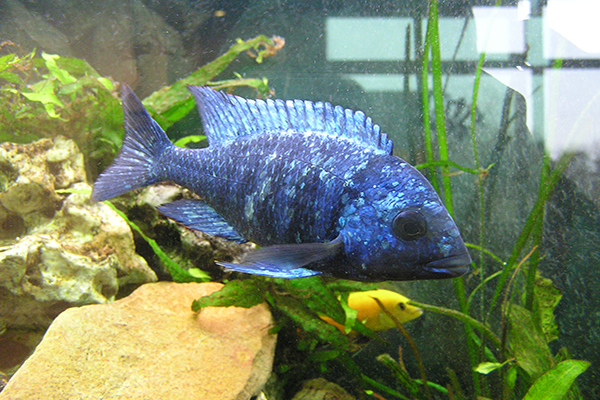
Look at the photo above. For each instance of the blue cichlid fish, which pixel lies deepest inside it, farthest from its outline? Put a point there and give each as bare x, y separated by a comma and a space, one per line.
316, 185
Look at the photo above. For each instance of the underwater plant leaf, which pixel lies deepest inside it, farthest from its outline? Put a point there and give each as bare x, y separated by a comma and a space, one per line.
44, 98
261, 85
171, 103
107, 83
400, 374
9, 76
319, 298
179, 274
528, 343
189, 139
6, 61
547, 297
350, 313
238, 293
315, 295
62, 75
77, 67
487, 367
308, 320
324, 355
555, 384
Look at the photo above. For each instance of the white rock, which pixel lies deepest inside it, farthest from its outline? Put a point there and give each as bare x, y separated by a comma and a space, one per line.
58, 251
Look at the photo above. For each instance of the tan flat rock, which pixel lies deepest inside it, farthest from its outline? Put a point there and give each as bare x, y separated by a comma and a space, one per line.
150, 345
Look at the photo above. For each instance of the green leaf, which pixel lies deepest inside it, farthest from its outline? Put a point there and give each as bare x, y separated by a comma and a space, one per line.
76, 66
261, 85
324, 355
555, 384
62, 75
44, 98
528, 343
189, 139
547, 297
197, 273
350, 314
6, 61
487, 367
171, 103
10, 77
315, 295
239, 293
179, 274
297, 310
107, 83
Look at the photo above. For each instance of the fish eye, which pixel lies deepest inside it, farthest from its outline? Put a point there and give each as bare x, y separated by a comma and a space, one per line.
409, 225
402, 306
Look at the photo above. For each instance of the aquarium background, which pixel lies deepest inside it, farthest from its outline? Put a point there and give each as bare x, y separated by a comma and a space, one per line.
538, 94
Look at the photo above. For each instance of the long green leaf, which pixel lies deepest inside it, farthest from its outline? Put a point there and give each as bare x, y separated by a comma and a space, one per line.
171, 103
555, 384
179, 274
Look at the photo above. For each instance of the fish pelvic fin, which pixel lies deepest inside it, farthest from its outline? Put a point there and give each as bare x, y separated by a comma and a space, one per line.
137, 163
286, 260
272, 271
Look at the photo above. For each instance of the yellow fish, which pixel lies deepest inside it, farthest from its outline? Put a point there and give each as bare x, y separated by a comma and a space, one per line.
371, 315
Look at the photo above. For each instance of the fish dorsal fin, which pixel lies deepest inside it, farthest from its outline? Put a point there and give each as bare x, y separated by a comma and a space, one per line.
226, 117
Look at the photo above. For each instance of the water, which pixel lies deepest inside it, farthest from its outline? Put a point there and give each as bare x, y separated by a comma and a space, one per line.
538, 94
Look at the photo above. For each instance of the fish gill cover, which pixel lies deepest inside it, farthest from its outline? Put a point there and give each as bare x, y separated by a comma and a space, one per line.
316, 184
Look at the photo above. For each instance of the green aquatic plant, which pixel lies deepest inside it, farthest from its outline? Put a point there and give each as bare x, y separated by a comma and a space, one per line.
519, 352
43, 95
46, 95
507, 336
171, 103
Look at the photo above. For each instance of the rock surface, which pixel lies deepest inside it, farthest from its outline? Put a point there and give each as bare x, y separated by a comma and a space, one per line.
57, 251
321, 389
150, 345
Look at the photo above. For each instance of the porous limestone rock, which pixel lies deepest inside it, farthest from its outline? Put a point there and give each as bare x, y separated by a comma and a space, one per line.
57, 250
150, 345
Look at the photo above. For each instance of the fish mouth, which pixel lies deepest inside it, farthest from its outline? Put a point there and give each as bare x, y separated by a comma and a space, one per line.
449, 267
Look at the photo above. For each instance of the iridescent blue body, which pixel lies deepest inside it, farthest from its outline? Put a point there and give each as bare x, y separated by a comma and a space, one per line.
316, 185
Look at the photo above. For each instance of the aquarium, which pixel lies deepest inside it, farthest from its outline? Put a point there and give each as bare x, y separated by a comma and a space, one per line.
495, 103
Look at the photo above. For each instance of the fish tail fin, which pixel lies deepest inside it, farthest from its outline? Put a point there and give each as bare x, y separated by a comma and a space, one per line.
137, 164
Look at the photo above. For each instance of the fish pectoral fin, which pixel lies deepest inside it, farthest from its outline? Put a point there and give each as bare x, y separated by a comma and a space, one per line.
286, 260
271, 270
196, 214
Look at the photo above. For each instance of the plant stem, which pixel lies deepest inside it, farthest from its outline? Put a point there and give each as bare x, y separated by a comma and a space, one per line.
484, 329
475, 360
537, 240
438, 99
411, 343
383, 388
425, 100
